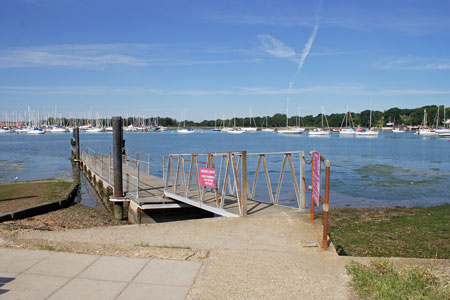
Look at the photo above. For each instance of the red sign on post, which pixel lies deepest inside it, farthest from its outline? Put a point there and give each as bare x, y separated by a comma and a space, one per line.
315, 194
208, 177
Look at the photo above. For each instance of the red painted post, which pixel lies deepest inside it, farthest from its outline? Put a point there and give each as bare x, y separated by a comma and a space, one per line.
311, 217
326, 205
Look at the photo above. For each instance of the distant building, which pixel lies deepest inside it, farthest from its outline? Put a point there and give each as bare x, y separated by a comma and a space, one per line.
10, 124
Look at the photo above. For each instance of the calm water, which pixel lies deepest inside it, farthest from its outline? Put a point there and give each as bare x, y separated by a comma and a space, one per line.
391, 170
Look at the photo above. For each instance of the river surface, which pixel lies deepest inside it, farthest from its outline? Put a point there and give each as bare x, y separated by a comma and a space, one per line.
391, 170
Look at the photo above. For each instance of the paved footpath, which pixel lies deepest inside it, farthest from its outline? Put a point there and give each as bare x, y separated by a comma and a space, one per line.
259, 257
26, 274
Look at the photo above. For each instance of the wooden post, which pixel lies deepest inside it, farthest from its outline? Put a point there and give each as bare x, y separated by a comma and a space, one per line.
76, 135
244, 182
117, 165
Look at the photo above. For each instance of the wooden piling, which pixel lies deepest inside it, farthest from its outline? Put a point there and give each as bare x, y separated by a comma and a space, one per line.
76, 135
117, 165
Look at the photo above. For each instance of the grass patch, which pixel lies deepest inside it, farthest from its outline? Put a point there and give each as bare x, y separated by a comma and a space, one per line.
18, 195
386, 232
162, 246
46, 247
380, 280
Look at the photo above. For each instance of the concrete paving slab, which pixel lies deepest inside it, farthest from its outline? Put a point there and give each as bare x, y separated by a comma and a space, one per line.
17, 261
139, 291
112, 268
63, 264
86, 289
247, 274
4, 279
31, 286
169, 272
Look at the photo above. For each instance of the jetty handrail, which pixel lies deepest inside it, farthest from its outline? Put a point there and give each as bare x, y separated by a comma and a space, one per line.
97, 163
101, 164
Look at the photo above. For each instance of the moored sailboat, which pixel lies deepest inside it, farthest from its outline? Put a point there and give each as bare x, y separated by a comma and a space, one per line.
289, 129
368, 132
319, 131
347, 130
184, 130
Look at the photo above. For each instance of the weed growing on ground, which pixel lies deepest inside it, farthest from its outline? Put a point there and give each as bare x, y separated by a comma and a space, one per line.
162, 246
380, 280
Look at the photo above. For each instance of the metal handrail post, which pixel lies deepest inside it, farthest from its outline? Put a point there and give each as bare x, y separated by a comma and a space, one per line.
244, 182
137, 192
302, 182
110, 168
128, 182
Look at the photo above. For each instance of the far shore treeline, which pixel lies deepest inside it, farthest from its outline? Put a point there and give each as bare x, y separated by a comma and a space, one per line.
396, 115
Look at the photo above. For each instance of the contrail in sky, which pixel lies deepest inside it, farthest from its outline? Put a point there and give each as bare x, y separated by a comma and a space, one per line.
307, 48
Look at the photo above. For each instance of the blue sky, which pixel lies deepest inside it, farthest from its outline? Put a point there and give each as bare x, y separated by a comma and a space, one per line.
218, 57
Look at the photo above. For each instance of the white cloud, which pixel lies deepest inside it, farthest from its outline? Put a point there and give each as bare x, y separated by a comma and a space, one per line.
276, 47
102, 55
284, 21
411, 63
334, 90
71, 56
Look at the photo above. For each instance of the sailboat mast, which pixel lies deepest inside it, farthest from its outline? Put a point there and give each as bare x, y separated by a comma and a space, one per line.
437, 118
287, 112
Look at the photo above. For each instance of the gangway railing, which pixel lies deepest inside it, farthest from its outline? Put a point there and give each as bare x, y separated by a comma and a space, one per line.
236, 175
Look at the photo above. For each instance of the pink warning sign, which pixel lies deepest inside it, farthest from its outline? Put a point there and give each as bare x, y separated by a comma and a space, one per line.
208, 177
315, 194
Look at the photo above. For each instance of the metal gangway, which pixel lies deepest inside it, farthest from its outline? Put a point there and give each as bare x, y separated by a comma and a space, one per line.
245, 183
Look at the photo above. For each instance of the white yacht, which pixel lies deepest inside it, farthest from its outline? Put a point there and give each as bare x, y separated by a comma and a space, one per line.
268, 130
289, 129
236, 131
347, 130
35, 130
320, 131
424, 130
398, 130
185, 130
95, 130
369, 132
252, 122
56, 130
